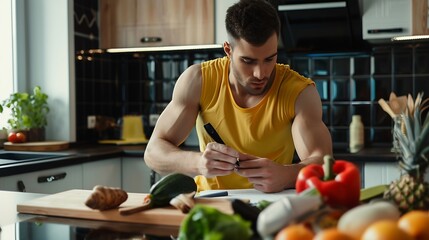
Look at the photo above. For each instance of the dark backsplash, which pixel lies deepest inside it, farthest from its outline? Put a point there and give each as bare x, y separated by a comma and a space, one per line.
349, 83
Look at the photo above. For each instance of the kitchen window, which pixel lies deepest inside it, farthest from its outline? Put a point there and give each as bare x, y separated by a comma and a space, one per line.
7, 50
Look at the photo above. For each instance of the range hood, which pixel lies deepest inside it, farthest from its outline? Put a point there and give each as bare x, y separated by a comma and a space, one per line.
397, 21
321, 25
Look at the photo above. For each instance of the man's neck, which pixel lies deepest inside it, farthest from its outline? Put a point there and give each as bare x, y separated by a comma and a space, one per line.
242, 97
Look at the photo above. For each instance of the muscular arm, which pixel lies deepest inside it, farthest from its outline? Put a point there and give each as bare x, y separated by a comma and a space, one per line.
310, 135
312, 141
162, 153
174, 125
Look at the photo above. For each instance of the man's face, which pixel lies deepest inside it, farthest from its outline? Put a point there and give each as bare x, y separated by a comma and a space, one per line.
252, 67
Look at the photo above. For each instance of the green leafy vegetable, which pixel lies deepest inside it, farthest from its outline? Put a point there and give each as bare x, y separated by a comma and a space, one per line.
208, 223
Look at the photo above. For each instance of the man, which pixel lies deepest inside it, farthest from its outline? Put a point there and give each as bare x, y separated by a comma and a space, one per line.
263, 111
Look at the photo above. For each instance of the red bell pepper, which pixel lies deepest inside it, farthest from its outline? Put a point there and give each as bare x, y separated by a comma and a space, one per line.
338, 182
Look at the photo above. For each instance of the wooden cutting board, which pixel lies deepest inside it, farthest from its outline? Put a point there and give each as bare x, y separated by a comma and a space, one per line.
45, 146
72, 204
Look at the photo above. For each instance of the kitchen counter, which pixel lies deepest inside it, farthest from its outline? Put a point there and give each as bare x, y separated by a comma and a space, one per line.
74, 155
9, 200
86, 153
16, 225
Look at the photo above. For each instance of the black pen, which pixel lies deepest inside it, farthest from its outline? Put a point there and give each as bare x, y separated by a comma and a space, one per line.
213, 134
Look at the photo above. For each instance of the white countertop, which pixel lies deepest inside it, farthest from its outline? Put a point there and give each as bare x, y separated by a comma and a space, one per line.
8, 201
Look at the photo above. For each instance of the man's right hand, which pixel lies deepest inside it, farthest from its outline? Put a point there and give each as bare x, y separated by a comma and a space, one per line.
218, 160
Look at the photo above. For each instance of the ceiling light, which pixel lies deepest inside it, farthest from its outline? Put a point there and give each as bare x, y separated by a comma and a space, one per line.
410, 38
164, 48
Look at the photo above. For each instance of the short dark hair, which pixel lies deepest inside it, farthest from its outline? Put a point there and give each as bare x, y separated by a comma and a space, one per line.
252, 20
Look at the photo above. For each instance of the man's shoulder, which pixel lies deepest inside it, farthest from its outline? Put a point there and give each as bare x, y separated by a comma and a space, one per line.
217, 62
288, 74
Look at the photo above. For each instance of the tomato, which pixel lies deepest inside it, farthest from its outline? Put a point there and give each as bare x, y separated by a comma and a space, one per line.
17, 137
12, 137
21, 137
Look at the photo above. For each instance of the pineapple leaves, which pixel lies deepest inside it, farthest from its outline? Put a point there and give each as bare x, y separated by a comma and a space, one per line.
424, 135
417, 121
423, 154
426, 122
403, 142
411, 134
424, 105
407, 119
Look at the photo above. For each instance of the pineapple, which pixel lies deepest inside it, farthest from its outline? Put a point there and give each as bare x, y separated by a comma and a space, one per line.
410, 191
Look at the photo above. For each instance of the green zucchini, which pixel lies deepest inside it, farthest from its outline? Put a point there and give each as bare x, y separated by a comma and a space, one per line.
171, 186
163, 191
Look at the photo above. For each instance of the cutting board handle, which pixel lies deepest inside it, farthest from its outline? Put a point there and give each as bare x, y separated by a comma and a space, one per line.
132, 210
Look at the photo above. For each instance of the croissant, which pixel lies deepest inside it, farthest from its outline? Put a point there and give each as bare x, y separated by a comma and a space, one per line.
104, 198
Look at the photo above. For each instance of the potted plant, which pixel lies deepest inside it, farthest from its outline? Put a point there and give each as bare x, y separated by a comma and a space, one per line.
28, 113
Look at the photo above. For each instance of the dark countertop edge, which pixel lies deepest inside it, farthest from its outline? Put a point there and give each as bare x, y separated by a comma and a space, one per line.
368, 155
89, 153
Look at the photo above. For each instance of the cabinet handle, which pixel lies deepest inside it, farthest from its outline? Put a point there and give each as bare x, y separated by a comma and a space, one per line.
51, 178
21, 186
150, 39
385, 30
311, 6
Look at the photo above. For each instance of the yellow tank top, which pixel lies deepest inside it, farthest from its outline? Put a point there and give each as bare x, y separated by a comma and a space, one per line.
263, 130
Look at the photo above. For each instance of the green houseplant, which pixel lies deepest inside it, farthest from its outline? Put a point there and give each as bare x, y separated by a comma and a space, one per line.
28, 113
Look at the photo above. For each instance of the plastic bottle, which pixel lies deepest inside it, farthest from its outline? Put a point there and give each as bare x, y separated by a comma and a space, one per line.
356, 142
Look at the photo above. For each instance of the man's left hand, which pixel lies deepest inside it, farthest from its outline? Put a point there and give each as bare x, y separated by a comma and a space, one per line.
266, 175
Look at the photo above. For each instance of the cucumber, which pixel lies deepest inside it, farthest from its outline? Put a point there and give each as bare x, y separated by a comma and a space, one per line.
169, 187
163, 191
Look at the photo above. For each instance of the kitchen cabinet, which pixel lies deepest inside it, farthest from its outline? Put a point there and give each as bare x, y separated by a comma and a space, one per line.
376, 173
136, 175
46, 181
106, 172
384, 19
139, 23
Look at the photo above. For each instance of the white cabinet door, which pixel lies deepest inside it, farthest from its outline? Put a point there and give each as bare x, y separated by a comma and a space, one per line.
106, 172
46, 181
380, 18
136, 175
377, 173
